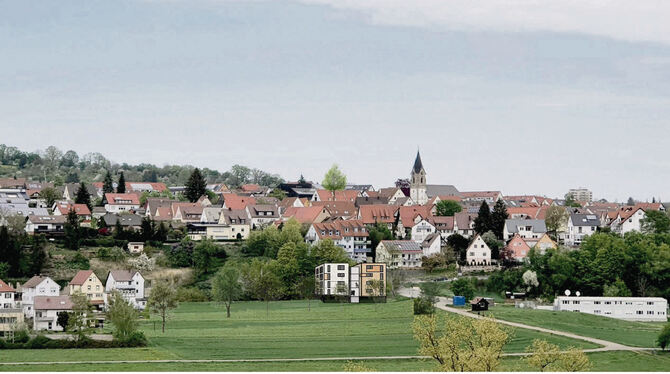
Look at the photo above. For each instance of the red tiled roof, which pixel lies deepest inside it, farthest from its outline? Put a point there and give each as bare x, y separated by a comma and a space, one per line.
81, 277
80, 209
53, 303
237, 202
304, 215
408, 213
4, 287
338, 208
122, 199
250, 188
340, 195
378, 213
345, 229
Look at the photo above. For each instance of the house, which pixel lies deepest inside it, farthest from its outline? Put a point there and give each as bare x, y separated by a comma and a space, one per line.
464, 223
138, 187
648, 309
517, 249
70, 191
62, 208
422, 229
580, 226
237, 222
187, 212
159, 209
312, 214
37, 286
353, 282
478, 196
252, 189
121, 202
135, 247
478, 253
544, 243
300, 189
479, 304
47, 309
391, 194
528, 229
236, 202
339, 209
409, 216
432, 244
350, 235
369, 273
339, 195
289, 202
89, 284
262, 215
12, 207
211, 215
11, 314
127, 221
628, 219
443, 225
399, 253
130, 284
48, 225
13, 183
373, 214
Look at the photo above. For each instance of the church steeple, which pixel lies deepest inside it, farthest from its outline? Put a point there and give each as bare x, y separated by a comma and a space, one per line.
418, 165
418, 182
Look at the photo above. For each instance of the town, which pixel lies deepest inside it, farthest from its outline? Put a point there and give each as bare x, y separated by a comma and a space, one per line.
73, 253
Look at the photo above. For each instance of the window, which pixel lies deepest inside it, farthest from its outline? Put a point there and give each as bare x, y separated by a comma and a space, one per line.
575, 302
340, 267
608, 302
650, 303
639, 312
340, 275
565, 302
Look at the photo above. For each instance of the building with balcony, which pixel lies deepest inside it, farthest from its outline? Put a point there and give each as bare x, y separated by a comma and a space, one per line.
350, 235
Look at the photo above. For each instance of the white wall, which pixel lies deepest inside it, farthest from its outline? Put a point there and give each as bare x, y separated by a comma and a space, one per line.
627, 308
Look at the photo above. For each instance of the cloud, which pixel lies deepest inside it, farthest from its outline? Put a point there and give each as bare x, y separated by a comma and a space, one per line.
627, 20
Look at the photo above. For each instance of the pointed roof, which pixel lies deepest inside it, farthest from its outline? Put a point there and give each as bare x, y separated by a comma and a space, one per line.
418, 165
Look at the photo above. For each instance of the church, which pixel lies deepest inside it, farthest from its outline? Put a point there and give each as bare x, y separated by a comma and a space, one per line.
420, 192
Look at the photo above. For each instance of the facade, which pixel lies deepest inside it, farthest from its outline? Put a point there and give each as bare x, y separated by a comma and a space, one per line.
130, 284
418, 190
46, 312
262, 214
34, 287
332, 279
581, 194
135, 247
11, 315
89, 284
649, 309
351, 235
121, 202
478, 252
517, 248
399, 253
527, 229
544, 243
628, 219
580, 226
354, 282
48, 225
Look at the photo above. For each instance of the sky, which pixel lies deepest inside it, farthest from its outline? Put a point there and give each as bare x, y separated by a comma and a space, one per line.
526, 97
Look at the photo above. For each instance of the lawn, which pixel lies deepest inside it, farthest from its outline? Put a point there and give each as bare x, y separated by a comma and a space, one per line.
636, 334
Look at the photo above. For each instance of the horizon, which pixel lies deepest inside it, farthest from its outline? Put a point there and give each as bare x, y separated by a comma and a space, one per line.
494, 100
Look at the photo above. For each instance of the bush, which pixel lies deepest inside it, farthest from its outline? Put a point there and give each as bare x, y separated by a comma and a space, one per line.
423, 305
79, 261
190, 294
21, 336
136, 339
38, 342
104, 242
463, 287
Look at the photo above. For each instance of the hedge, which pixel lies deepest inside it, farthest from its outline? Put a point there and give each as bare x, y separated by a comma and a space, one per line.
137, 339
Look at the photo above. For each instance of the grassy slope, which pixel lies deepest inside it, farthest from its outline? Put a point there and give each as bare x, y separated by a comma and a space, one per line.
637, 334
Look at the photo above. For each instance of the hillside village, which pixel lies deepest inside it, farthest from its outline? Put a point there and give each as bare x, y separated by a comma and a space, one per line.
112, 233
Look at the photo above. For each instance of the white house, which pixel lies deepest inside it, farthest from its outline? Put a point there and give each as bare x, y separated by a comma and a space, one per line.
7, 296
47, 309
350, 235
11, 314
121, 202
262, 214
627, 308
332, 279
478, 252
422, 229
628, 219
399, 253
37, 286
525, 228
135, 247
45, 224
432, 244
130, 284
580, 226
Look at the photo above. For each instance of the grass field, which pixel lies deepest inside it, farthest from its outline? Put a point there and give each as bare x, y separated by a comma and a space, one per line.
201, 331
636, 334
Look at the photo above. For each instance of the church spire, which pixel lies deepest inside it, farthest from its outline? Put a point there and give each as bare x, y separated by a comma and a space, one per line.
418, 165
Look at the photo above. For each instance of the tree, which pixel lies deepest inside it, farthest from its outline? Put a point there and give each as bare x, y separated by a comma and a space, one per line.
655, 222
261, 282
618, 288
663, 339
63, 319
571, 202
463, 287
278, 193
334, 180
459, 244
498, 218
147, 228
163, 299
122, 315
107, 184
50, 195
196, 186
72, 231
494, 243
306, 288
226, 287
78, 319
573, 360
530, 280
544, 356
448, 208
556, 218
38, 255
630, 202
377, 233
82, 196
463, 344
483, 220
121, 187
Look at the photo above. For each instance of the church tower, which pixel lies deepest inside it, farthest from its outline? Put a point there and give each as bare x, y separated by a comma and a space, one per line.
417, 191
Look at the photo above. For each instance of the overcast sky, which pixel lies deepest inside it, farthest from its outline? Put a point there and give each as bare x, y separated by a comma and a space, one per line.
518, 96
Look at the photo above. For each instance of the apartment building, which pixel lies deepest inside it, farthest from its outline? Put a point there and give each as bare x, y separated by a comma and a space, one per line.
359, 281
627, 308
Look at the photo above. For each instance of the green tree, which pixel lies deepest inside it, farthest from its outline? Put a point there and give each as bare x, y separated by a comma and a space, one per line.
494, 244
147, 229
278, 193
663, 340
38, 254
334, 180
163, 299
72, 235
463, 287
107, 184
62, 319
196, 186
656, 222
448, 208
122, 315
82, 196
555, 219
261, 282
618, 288
121, 187
226, 287
377, 233
78, 321
325, 251
483, 221
498, 218
543, 356
50, 195
571, 202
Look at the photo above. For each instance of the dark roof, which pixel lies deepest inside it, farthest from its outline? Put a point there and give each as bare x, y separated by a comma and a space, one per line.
584, 219
418, 165
433, 190
124, 219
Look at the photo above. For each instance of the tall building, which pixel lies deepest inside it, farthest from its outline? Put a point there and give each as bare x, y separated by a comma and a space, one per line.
417, 191
581, 194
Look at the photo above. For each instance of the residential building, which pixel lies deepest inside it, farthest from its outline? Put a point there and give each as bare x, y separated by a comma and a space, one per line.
362, 281
7, 296
70, 191
37, 286
332, 279
350, 235
581, 194
130, 284
11, 314
262, 214
121, 202
478, 196
544, 243
126, 220
237, 202
48, 225
339, 209
135, 247
432, 244
309, 215
478, 253
517, 249
399, 253
369, 273
526, 228
62, 208
339, 195
373, 214
391, 195
409, 216
47, 309
628, 219
648, 309
89, 284
580, 226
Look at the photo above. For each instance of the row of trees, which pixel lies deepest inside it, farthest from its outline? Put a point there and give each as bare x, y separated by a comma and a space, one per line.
493, 221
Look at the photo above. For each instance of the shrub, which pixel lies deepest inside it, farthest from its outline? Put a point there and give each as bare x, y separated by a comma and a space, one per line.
423, 305
21, 336
136, 339
79, 261
38, 342
189, 294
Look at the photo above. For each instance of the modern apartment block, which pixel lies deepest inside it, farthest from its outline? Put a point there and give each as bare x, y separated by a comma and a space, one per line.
627, 308
581, 194
340, 279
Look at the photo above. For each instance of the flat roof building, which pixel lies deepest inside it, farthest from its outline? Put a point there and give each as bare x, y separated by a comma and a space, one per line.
626, 308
